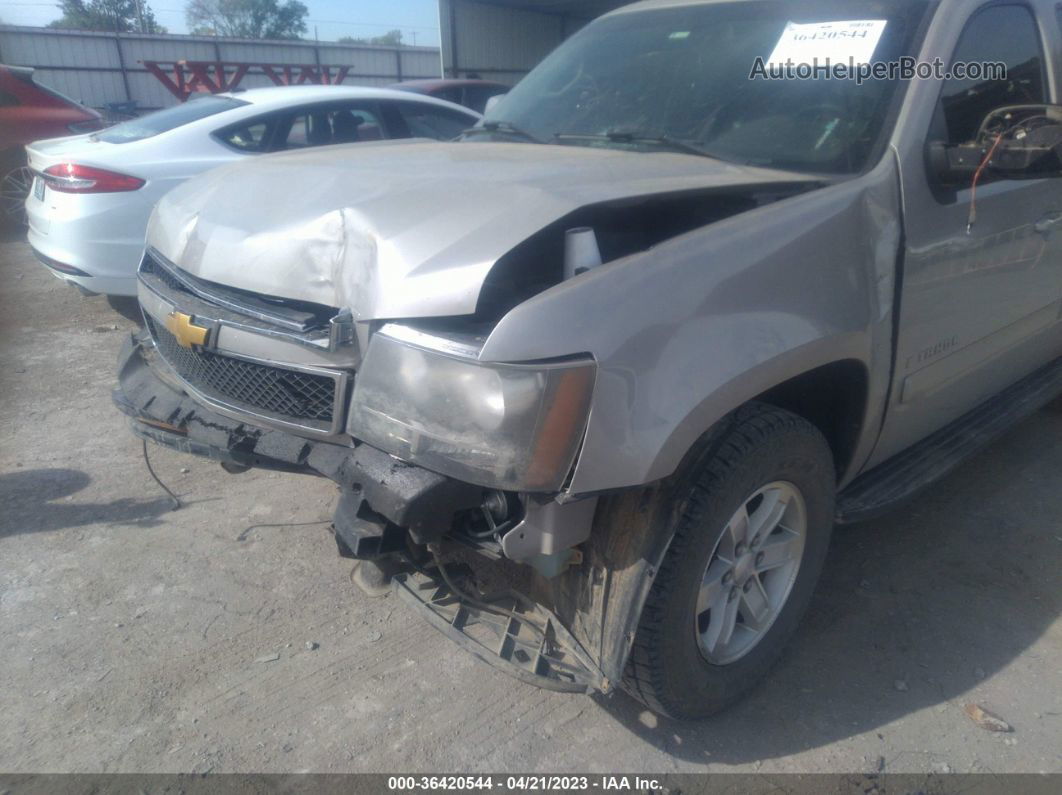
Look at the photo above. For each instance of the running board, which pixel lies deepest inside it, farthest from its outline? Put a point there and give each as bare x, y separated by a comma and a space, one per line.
507, 631
903, 476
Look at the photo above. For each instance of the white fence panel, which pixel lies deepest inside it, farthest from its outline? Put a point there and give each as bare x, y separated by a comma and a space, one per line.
100, 68
89, 88
421, 64
60, 48
166, 49
264, 53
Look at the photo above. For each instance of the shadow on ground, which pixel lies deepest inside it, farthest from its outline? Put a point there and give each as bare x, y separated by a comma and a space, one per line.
913, 612
126, 306
35, 501
10, 233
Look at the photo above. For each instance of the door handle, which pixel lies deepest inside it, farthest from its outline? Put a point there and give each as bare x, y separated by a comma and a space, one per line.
1047, 223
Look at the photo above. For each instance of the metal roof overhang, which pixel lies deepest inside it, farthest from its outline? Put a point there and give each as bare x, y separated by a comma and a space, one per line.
578, 9
504, 39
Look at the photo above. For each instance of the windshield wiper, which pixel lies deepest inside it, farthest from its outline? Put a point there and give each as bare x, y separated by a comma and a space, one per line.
505, 128
621, 137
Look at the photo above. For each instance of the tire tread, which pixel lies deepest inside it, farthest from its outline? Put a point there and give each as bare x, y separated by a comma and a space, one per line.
749, 427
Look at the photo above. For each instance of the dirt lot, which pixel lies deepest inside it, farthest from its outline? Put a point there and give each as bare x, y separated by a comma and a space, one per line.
140, 639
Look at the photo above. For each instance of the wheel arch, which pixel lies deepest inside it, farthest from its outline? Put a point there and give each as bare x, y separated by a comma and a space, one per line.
634, 528
827, 383
833, 397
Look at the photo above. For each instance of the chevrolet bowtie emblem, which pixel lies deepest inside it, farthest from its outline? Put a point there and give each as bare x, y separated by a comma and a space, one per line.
180, 326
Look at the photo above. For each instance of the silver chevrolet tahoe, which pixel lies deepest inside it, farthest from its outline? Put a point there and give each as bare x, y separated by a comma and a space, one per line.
596, 380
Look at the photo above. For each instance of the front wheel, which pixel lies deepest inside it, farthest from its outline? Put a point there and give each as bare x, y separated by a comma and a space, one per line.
749, 542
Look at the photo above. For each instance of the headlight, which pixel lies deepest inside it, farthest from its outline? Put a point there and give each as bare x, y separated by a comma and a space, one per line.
502, 426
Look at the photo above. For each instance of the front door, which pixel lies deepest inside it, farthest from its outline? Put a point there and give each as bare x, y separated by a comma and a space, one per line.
982, 278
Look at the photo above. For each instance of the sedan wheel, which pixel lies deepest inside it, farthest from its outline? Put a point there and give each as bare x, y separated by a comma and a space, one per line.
14, 190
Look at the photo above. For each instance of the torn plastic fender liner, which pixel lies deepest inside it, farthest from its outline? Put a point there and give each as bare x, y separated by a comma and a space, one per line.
602, 600
507, 631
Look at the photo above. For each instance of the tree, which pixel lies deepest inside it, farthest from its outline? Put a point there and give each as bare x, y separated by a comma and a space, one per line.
247, 19
391, 38
123, 16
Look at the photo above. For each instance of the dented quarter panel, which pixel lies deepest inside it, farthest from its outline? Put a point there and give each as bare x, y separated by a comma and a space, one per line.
402, 229
696, 326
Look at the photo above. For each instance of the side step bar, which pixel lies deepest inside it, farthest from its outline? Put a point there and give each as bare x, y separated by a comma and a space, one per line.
507, 631
902, 477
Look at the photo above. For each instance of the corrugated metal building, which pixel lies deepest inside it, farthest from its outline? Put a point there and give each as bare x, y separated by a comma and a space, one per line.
497, 39
97, 68
503, 39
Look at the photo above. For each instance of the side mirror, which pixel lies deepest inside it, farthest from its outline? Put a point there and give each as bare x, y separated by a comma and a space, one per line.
1016, 142
491, 102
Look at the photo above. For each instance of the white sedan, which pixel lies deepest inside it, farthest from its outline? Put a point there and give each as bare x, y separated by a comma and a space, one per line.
92, 194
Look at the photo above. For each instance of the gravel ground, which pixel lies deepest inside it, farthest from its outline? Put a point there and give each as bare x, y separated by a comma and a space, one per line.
142, 639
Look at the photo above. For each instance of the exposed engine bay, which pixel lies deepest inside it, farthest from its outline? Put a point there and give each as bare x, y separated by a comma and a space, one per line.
620, 228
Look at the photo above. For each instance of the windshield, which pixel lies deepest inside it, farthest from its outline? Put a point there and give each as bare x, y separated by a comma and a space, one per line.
168, 119
679, 79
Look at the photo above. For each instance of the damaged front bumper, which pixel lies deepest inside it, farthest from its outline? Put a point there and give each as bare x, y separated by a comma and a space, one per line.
385, 507
382, 497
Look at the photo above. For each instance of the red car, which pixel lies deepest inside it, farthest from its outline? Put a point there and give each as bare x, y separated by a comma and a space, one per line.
30, 112
468, 92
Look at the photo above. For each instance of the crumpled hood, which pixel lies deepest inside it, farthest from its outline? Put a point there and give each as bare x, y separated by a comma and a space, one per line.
401, 229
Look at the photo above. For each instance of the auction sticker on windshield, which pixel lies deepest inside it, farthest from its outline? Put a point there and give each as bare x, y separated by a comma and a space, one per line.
852, 41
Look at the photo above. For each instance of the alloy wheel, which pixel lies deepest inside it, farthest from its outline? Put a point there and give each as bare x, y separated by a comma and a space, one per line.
14, 190
751, 572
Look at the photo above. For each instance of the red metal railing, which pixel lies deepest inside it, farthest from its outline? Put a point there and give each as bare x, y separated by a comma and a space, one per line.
183, 78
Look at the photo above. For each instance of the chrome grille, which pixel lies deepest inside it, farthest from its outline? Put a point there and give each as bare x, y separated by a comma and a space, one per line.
293, 316
163, 275
305, 399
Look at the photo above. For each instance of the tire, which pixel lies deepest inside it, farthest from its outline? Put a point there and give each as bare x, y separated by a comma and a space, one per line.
673, 668
15, 180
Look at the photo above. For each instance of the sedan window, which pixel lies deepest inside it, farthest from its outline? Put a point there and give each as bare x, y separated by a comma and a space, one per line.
427, 121
168, 119
333, 125
252, 136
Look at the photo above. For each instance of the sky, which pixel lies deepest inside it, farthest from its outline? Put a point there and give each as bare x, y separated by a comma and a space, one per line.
417, 19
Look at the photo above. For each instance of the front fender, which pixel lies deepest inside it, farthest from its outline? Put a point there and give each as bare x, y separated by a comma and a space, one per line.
692, 328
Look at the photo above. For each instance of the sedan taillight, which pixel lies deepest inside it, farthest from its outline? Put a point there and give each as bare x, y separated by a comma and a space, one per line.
72, 178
